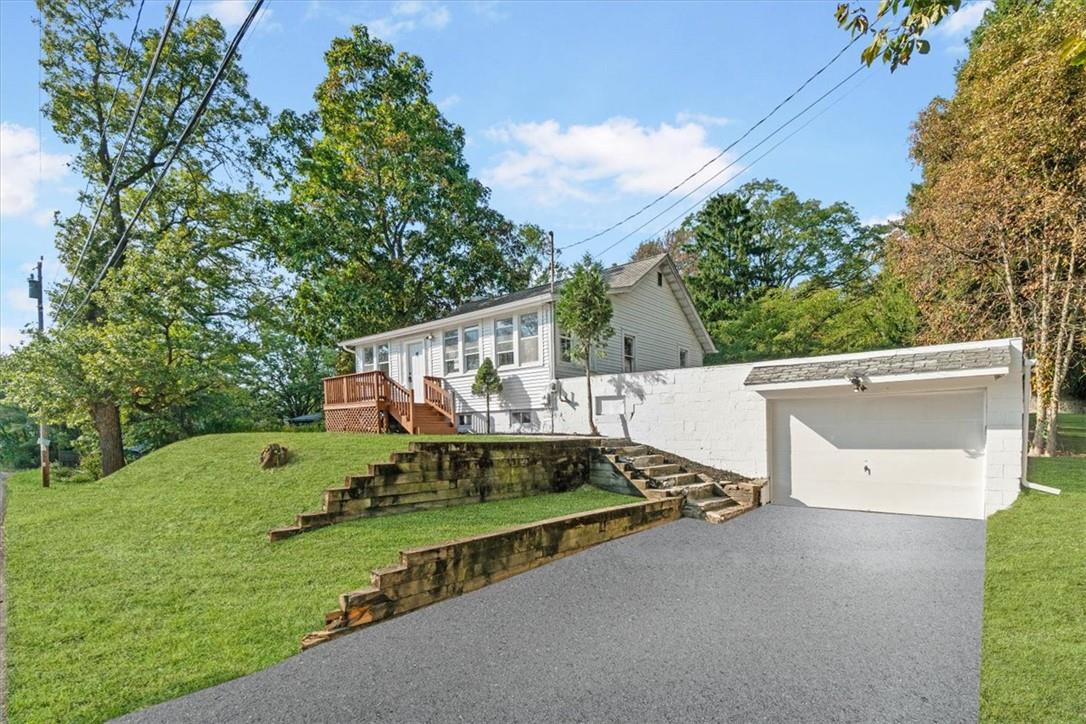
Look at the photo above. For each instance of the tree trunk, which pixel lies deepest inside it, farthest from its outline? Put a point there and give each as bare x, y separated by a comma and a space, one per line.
588, 383
107, 423
488, 413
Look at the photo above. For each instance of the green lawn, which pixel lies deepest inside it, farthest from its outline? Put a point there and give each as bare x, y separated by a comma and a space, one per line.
1071, 434
159, 581
1033, 659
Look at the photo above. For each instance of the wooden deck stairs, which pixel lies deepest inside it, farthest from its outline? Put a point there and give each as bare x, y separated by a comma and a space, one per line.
373, 402
657, 475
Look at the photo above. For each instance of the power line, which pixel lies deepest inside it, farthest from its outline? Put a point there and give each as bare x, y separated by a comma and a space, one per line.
746, 168
118, 250
705, 165
109, 117
738, 158
127, 137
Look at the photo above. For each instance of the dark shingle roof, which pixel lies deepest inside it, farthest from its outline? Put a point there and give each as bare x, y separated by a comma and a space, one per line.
617, 277
903, 363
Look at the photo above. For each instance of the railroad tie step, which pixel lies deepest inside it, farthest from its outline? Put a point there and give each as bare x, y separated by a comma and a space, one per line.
647, 461
659, 471
726, 514
634, 451
677, 480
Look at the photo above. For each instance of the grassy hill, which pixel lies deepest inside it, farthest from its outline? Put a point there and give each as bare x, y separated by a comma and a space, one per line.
158, 580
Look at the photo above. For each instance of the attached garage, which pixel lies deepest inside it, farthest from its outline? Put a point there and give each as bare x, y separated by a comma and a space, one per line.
916, 432
920, 453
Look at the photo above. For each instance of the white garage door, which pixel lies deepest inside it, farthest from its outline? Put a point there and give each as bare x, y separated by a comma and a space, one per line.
918, 454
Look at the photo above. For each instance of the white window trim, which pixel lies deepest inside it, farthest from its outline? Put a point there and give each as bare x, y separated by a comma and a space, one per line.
633, 357
485, 324
459, 357
514, 320
464, 371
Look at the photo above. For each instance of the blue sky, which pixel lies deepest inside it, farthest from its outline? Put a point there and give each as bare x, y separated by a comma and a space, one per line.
576, 114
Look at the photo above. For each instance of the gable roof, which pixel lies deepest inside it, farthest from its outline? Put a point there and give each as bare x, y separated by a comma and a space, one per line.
619, 278
949, 358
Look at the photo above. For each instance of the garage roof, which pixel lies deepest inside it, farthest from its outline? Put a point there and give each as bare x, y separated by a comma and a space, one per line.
953, 359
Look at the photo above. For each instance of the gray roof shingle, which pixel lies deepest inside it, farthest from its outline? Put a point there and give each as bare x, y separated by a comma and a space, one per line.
617, 277
903, 363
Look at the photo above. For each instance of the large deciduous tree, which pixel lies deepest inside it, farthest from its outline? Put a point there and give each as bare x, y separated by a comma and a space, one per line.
108, 355
997, 228
384, 225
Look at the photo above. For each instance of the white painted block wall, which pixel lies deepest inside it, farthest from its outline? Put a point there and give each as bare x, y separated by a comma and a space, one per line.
707, 415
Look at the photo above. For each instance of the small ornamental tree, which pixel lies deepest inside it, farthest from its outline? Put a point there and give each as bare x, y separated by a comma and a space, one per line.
584, 312
487, 383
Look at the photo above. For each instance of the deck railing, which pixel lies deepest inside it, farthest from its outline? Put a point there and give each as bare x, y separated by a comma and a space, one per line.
438, 397
375, 389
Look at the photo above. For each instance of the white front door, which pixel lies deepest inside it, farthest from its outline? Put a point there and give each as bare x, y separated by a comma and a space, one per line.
921, 454
416, 369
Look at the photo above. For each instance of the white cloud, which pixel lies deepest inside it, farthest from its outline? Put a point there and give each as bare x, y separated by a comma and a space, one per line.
448, 102
20, 167
880, 220
408, 15
232, 13
585, 162
488, 9
701, 119
964, 20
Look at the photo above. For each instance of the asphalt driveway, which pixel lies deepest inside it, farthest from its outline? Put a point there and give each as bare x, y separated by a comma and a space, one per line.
782, 614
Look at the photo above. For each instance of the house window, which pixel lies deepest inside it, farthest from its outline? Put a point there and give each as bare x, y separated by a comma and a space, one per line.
367, 359
452, 351
659, 279
528, 344
503, 342
521, 417
471, 348
682, 357
463, 420
627, 354
382, 358
565, 348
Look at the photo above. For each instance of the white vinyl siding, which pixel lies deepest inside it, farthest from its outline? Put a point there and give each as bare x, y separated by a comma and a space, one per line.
651, 314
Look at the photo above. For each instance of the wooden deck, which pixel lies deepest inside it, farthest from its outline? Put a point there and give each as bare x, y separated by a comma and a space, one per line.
372, 402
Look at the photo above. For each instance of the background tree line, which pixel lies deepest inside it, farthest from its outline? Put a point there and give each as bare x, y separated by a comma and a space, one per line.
273, 237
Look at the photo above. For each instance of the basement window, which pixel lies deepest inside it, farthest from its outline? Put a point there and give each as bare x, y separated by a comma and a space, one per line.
463, 420
520, 417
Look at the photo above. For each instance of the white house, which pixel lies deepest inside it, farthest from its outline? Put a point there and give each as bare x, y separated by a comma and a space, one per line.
656, 327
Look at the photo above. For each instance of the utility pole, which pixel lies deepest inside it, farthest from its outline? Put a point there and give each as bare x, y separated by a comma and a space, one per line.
552, 401
36, 292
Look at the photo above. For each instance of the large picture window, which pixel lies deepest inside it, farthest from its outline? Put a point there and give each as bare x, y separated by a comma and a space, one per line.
471, 348
528, 344
503, 342
382, 358
452, 351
